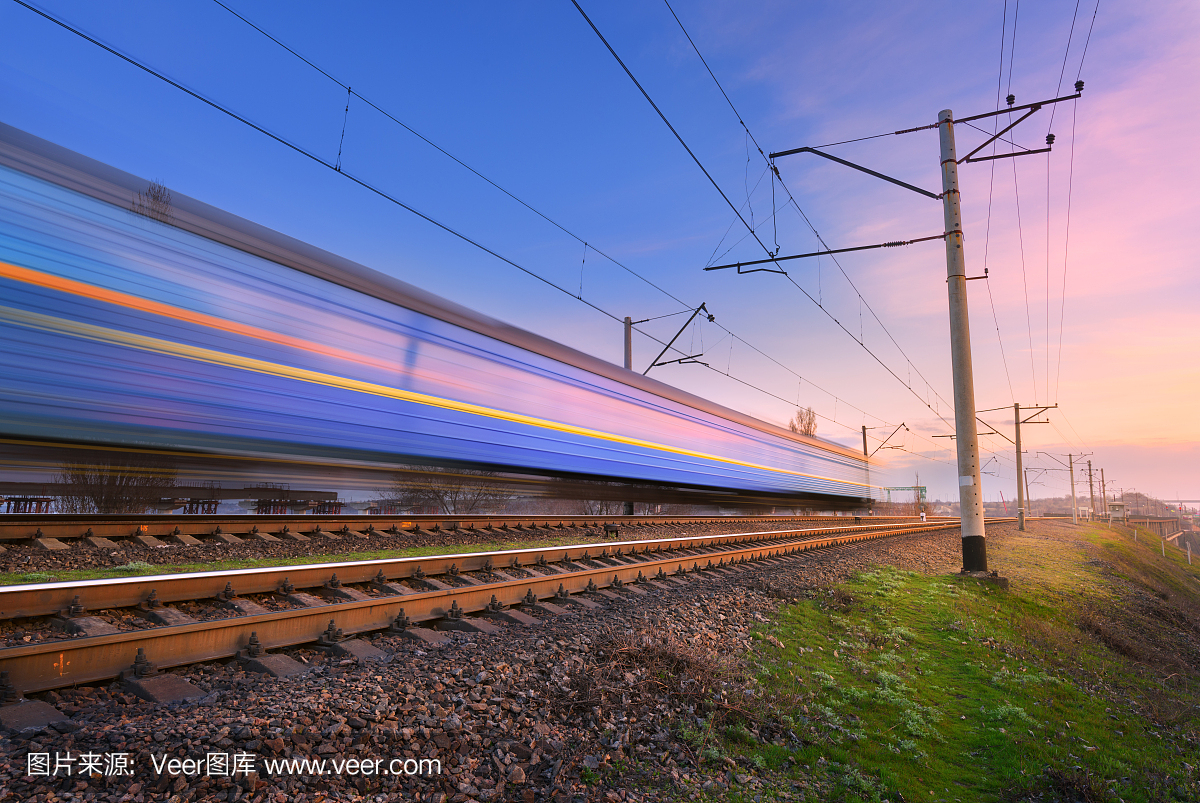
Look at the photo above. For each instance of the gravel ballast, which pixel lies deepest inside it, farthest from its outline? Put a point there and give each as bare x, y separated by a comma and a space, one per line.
508, 716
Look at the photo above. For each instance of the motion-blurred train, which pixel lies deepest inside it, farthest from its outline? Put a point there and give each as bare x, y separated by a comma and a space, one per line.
191, 329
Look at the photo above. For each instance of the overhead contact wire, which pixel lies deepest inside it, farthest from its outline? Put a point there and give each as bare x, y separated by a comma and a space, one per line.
449, 155
587, 244
791, 198
991, 188
308, 154
789, 193
1070, 187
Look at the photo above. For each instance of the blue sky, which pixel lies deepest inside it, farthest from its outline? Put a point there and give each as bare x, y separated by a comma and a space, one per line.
527, 95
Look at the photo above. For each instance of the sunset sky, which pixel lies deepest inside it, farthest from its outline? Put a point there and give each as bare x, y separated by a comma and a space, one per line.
527, 95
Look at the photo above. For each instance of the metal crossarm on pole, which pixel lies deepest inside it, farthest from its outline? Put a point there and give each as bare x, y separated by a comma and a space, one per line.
688, 360
860, 168
999, 134
682, 329
1038, 410
1039, 104
1008, 155
885, 440
892, 244
1032, 108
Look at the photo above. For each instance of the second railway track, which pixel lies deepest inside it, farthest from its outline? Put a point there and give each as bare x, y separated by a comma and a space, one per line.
333, 600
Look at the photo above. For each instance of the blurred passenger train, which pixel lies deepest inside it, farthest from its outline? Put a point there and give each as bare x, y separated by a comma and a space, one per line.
210, 334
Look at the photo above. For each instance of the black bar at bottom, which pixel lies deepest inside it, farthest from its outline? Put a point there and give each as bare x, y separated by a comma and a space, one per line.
974, 553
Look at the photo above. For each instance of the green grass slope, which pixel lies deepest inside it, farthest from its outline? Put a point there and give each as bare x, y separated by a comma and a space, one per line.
1081, 683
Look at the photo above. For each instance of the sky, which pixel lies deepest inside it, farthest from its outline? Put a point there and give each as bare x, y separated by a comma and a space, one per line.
1092, 292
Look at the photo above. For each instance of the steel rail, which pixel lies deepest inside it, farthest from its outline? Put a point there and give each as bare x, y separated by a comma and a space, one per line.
19, 527
55, 664
41, 599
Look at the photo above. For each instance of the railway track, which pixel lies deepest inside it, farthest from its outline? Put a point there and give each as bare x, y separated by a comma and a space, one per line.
327, 603
58, 531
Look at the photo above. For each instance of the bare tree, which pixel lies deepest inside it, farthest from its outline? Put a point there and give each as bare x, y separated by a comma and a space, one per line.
592, 497
449, 491
804, 422
600, 507
119, 484
154, 203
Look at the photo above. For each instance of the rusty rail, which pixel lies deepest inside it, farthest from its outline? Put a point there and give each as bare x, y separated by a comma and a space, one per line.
54, 664
41, 599
20, 527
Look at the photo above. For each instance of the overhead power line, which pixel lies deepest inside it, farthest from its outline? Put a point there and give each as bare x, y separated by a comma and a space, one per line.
306, 153
654, 105
587, 244
738, 213
310, 155
805, 218
449, 155
1000, 455
1070, 188
800, 212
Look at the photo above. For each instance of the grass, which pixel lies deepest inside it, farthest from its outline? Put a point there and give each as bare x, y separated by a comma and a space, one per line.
139, 568
936, 688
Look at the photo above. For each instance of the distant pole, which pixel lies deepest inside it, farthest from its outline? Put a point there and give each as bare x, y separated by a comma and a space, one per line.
1074, 504
629, 342
1104, 494
628, 365
1091, 492
867, 455
1028, 501
970, 497
1020, 472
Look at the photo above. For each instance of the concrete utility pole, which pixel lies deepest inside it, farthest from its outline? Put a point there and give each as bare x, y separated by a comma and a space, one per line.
1074, 504
1020, 471
629, 342
1091, 492
970, 497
